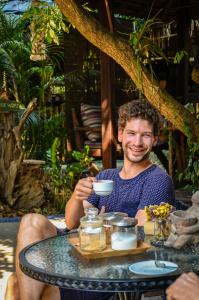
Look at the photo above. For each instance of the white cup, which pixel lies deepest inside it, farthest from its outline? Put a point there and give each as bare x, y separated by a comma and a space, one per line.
103, 187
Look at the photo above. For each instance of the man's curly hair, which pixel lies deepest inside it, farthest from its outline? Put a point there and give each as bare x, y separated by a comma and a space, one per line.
140, 109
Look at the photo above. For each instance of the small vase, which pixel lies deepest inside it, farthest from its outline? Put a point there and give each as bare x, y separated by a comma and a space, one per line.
161, 229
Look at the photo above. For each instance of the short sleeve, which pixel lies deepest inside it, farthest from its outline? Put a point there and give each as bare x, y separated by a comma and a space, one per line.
157, 189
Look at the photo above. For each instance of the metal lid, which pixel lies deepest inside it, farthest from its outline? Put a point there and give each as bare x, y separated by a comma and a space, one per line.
112, 215
124, 222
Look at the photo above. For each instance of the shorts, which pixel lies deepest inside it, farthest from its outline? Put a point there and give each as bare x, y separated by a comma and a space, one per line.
67, 294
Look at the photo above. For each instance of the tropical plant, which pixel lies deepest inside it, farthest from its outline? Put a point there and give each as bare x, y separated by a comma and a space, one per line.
22, 78
14, 58
190, 174
145, 48
64, 177
48, 21
40, 133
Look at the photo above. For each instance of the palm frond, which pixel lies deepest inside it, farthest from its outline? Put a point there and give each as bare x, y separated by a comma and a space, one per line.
14, 45
33, 119
6, 63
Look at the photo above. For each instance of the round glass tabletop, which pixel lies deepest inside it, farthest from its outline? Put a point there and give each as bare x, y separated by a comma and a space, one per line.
55, 261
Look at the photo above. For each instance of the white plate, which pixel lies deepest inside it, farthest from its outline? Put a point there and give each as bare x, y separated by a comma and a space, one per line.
148, 267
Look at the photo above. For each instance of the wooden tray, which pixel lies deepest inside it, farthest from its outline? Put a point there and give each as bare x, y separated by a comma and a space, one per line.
108, 252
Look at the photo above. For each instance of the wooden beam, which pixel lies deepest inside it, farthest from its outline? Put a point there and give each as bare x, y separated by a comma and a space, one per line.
107, 97
109, 15
183, 40
108, 147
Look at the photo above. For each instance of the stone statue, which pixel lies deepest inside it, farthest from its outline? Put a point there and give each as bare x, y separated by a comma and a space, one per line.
185, 225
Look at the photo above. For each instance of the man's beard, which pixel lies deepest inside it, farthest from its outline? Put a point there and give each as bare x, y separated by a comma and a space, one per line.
139, 159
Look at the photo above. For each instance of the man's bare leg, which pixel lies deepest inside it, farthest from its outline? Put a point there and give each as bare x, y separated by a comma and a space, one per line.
12, 288
33, 227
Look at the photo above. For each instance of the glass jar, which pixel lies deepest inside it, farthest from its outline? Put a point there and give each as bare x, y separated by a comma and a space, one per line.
123, 236
161, 229
107, 218
92, 234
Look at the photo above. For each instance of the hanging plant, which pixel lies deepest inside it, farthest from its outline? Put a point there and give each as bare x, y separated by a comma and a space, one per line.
47, 23
142, 42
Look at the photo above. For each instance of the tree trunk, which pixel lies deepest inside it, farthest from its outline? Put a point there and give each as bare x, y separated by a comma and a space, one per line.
123, 54
16, 179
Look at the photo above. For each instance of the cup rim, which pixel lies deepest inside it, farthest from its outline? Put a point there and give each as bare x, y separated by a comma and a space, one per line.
102, 181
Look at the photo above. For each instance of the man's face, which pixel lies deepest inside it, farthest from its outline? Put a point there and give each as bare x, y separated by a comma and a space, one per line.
137, 140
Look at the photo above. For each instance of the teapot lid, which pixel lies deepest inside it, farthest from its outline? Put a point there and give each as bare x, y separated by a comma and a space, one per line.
112, 215
124, 222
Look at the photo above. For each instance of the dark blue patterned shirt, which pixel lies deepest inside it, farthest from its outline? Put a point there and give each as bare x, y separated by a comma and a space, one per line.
152, 186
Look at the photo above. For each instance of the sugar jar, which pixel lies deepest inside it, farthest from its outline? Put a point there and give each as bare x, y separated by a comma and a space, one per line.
91, 233
123, 236
107, 218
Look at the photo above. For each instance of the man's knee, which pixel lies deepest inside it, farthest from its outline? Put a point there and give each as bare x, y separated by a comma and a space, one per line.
35, 226
29, 220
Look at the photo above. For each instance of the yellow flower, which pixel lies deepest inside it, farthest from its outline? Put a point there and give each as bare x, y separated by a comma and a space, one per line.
160, 211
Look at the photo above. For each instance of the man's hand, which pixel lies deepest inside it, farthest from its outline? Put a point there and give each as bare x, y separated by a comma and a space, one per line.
74, 207
84, 188
184, 288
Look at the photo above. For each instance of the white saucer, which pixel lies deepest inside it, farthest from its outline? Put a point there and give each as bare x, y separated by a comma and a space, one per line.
148, 267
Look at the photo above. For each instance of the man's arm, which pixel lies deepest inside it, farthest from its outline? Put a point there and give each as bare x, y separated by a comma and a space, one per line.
185, 287
141, 217
75, 206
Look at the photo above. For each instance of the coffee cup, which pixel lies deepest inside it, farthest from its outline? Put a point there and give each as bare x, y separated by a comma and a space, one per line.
103, 187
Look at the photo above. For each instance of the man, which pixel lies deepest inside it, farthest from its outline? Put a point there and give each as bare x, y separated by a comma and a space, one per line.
185, 287
137, 184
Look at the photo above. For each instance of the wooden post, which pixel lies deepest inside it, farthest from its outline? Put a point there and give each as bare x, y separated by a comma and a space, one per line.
170, 153
182, 81
183, 22
107, 98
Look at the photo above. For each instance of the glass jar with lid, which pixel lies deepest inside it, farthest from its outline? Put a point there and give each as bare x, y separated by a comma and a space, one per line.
107, 218
92, 234
123, 236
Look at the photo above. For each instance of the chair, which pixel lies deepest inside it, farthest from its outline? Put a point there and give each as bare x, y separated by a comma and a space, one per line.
81, 137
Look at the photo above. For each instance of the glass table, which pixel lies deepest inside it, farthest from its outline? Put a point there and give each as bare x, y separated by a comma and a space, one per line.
54, 261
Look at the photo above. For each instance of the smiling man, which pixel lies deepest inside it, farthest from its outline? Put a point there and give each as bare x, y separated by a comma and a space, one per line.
139, 182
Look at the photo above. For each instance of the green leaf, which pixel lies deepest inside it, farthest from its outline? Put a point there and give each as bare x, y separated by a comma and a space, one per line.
135, 40
64, 27
190, 107
52, 23
180, 176
193, 178
196, 167
52, 33
179, 56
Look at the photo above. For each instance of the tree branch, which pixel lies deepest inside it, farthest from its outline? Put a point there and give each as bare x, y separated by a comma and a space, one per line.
119, 49
18, 129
